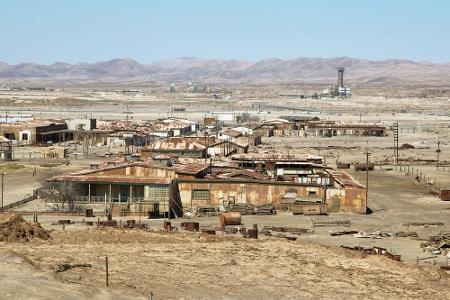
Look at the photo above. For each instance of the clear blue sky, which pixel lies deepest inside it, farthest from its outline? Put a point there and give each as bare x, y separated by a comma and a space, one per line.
46, 31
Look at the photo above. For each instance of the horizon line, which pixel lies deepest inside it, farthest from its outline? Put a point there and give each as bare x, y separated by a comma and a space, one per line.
224, 59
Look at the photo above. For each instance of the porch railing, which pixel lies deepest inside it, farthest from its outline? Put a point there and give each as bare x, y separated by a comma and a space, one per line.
100, 199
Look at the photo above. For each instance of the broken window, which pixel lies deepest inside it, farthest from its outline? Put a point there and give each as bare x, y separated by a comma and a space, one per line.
202, 195
10, 136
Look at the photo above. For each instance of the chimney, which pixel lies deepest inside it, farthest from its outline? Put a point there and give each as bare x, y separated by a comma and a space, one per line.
340, 77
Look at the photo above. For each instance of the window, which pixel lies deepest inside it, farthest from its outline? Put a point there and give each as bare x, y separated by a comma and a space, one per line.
10, 136
157, 193
203, 195
312, 193
24, 136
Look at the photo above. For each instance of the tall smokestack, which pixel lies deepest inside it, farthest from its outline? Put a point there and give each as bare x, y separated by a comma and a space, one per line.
340, 77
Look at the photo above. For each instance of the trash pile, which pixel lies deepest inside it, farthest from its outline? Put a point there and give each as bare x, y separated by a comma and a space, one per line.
437, 244
13, 228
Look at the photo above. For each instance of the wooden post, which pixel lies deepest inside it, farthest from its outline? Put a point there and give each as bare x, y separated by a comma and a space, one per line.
131, 193
107, 271
119, 205
89, 197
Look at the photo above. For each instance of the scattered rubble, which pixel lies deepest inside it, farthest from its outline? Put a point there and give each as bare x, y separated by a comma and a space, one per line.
436, 244
372, 235
375, 251
325, 223
291, 230
344, 232
65, 267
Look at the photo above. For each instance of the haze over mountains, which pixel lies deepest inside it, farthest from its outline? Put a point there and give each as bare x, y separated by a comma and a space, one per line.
215, 70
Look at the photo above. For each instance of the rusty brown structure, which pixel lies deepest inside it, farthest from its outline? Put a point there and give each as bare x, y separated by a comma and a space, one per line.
445, 195
331, 128
143, 187
35, 131
346, 195
189, 146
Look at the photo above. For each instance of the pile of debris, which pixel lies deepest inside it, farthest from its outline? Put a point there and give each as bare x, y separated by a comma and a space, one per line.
437, 244
327, 223
13, 228
289, 233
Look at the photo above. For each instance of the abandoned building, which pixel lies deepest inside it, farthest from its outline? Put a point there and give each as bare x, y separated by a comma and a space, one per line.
270, 161
146, 188
34, 131
330, 129
171, 127
190, 146
275, 127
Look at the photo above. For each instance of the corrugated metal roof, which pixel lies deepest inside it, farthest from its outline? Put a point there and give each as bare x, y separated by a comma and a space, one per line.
275, 157
183, 143
344, 179
116, 179
33, 123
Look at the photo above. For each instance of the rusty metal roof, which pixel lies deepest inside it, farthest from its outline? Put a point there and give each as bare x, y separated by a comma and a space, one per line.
232, 133
242, 141
275, 157
244, 173
114, 179
344, 179
33, 123
183, 143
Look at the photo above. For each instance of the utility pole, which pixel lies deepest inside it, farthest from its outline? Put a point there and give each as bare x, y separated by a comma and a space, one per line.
395, 128
367, 153
3, 183
438, 151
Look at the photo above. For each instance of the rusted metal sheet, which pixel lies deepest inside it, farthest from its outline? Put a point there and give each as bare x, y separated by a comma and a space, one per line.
345, 179
445, 195
89, 213
230, 218
364, 167
257, 193
306, 208
191, 226
252, 233
167, 225
292, 230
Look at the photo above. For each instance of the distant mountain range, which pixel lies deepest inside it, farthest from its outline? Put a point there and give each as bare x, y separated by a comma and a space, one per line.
215, 70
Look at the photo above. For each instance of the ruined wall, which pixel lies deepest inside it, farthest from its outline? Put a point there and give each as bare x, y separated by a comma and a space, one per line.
254, 193
348, 200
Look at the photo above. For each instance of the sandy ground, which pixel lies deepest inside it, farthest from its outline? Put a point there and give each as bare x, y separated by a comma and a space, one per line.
191, 266
188, 266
